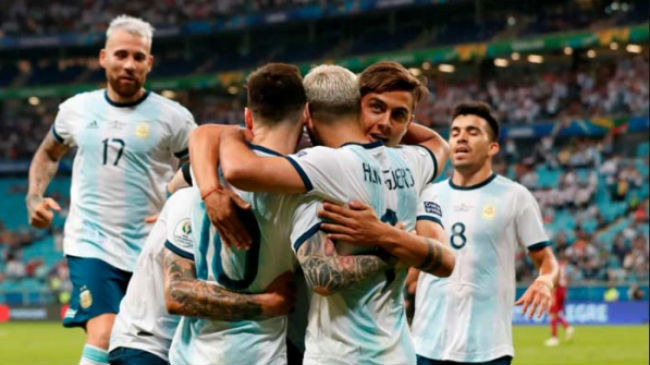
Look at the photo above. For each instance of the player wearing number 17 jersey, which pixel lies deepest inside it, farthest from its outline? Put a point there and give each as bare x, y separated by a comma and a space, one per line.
467, 317
129, 142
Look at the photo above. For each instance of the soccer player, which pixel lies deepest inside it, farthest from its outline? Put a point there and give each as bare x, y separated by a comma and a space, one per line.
356, 312
467, 318
241, 333
557, 307
143, 329
129, 142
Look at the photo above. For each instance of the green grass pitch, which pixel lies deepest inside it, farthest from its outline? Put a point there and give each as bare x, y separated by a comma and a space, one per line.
47, 343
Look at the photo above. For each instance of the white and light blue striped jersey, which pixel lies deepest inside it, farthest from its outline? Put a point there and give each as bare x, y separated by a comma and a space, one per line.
364, 324
126, 154
200, 341
467, 317
143, 322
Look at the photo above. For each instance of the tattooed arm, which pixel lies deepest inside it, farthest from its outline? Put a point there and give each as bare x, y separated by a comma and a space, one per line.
327, 272
359, 224
186, 295
41, 171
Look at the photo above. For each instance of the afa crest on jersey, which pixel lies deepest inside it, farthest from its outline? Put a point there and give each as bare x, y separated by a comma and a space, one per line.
489, 211
142, 130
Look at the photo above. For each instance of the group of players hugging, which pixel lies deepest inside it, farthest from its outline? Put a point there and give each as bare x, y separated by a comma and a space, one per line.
263, 253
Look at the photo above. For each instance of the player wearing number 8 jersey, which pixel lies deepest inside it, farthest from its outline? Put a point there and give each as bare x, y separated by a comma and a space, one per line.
129, 142
467, 317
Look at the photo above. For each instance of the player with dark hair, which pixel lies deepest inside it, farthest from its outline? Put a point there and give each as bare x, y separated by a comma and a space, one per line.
221, 291
467, 317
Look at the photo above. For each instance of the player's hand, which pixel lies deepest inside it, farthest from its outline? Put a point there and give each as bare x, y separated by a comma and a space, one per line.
279, 297
40, 212
537, 298
357, 223
221, 207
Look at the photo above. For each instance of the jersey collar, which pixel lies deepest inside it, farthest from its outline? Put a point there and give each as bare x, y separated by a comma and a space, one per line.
125, 105
263, 149
475, 186
368, 145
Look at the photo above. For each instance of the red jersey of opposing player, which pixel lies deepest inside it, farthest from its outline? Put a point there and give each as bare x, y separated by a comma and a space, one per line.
559, 293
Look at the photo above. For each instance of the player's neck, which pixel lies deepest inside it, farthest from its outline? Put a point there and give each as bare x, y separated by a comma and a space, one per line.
281, 139
342, 133
119, 99
470, 177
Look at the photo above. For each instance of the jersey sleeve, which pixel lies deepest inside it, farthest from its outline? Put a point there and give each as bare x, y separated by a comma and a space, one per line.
528, 221
428, 207
179, 225
320, 169
305, 222
182, 126
62, 128
424, 165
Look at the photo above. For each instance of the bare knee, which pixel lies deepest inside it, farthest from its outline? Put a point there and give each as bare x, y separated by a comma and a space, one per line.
98, 330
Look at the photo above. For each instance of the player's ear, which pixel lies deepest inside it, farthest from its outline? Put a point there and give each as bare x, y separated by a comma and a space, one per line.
308, 121
494, 148
248, 119
150, 63
102, 57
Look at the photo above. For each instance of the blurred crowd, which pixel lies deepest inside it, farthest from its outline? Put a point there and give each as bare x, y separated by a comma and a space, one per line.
596, 90
598, 245
600, 89
23, 17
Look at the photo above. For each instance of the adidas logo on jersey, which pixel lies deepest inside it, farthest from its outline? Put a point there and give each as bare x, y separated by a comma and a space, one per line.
92, 125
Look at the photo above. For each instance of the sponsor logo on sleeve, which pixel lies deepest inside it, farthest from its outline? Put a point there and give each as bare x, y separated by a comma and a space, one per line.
432, 208
183, 232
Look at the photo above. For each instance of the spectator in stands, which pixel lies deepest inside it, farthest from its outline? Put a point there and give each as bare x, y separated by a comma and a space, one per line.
15, 267
611, 294
635, 293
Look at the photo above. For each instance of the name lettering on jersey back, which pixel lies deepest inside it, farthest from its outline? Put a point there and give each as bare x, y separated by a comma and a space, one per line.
399, 178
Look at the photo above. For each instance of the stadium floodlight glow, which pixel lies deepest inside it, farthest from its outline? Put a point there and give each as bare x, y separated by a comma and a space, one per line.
170, 94
501, 62
426, 65
445, 67
515, 56
568, 51
535, 58
613, 46
591, 53
634, 48
34, 100
415, 71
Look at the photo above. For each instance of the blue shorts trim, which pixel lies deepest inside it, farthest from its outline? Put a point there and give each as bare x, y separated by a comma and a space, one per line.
505, 360
97, 288
129, 356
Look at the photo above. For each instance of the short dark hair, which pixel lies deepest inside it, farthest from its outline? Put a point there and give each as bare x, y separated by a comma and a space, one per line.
481, 110
388, 76
274, 92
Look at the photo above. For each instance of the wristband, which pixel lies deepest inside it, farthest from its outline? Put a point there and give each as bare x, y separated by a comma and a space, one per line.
203, 196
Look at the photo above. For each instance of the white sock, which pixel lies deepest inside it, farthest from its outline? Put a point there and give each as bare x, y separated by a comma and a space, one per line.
93, 355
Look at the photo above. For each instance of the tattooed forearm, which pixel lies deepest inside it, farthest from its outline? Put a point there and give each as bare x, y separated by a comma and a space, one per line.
433, 259
327, 272
189, 296
44, 166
